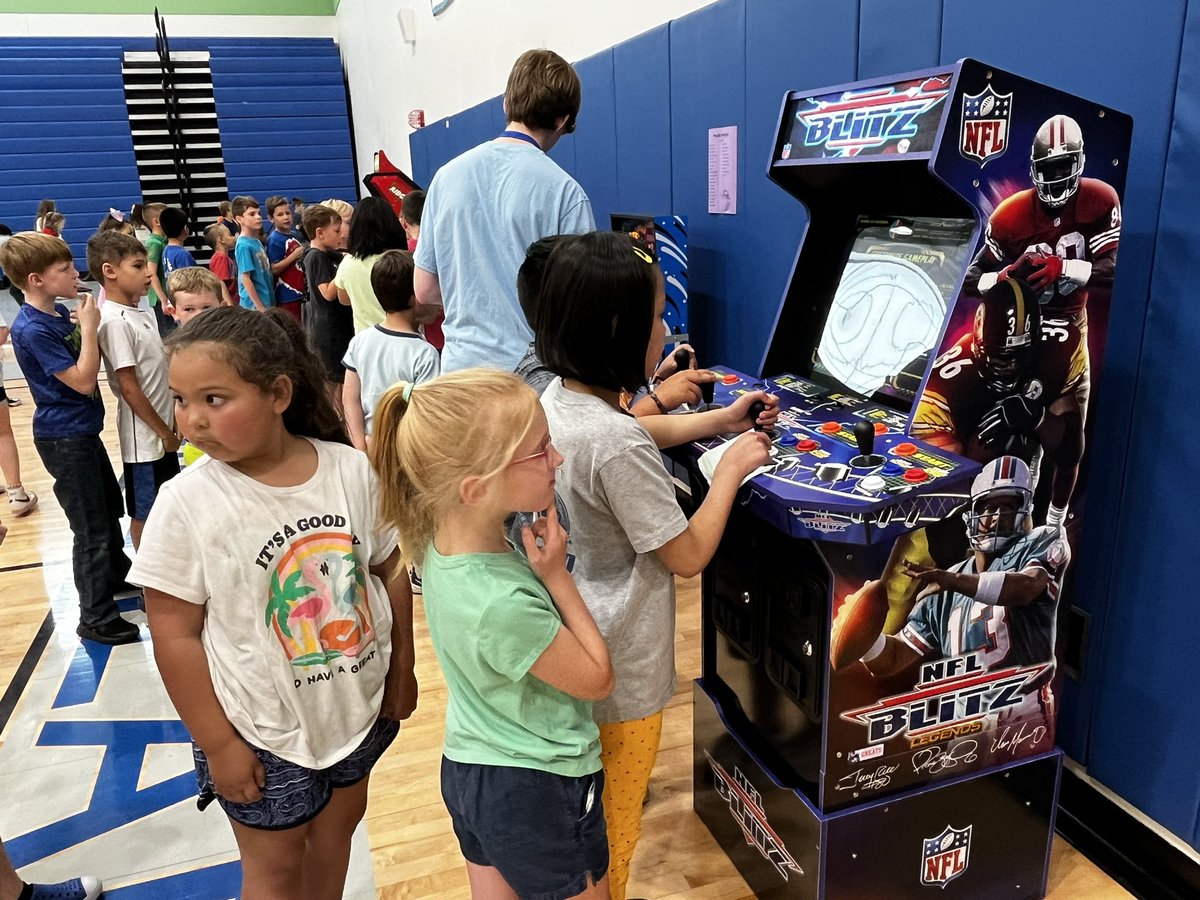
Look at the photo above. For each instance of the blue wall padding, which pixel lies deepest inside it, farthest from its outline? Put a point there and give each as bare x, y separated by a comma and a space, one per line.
721, 256
1147, 720
789, 46
65, 135
642, 87
1125, 56
596, 135
279, 136
898, 36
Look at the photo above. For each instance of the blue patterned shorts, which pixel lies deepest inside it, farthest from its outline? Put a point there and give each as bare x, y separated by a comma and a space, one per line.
294, 795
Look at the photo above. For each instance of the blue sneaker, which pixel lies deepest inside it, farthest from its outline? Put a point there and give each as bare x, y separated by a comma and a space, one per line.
85, 888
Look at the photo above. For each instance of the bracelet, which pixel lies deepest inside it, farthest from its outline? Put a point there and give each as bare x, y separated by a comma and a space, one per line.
653, 396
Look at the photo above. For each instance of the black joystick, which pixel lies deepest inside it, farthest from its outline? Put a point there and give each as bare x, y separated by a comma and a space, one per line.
864, 436
683, 359
755, 411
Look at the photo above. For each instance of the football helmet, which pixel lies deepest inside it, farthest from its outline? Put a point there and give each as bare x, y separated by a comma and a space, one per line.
1006, 477
1056, 163
1003, 345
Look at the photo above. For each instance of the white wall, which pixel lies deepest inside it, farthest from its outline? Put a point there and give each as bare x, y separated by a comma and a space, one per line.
463, 56
100, 26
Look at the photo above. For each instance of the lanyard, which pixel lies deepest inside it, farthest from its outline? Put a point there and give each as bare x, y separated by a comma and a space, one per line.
521, 136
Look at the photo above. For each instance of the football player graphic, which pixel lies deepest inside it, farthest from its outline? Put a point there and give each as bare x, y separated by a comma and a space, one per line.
1061, 237
999, 603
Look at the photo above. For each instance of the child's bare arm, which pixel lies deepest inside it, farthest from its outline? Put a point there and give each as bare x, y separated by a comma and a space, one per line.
671, 431
176, 626
343, 297
82, 376
248, 284
356, 421
329, 292
689, 552
140, 405
400, 693
159, 290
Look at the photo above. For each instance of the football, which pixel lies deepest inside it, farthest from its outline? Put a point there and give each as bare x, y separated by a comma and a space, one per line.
858, 624
987, 105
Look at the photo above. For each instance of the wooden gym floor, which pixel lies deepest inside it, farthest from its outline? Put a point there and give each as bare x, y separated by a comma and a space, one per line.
413, 852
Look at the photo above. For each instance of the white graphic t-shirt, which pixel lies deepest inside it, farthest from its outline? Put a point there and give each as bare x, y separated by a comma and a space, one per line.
296, 630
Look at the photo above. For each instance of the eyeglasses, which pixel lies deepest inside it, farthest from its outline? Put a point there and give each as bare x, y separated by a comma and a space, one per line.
543, 454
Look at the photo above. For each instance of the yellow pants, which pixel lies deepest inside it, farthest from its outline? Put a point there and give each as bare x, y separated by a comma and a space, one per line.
627, 750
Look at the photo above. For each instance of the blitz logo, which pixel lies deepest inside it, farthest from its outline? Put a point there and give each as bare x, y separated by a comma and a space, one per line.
862, 120
745, 805
945, 857
949, 692
985, 118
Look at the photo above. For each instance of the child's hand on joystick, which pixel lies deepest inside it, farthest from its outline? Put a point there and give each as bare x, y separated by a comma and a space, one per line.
738, 413
684, 387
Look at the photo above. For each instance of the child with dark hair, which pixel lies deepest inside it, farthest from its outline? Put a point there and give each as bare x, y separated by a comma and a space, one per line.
410, 218
175, 229
373, 231
254, 269
285, 252
529, 288
137, 373
599, 326
391, 351
328, 321
281, 520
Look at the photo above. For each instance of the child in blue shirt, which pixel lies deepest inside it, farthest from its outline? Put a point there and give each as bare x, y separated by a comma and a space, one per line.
61, 362
175, 229
284, 252
254, 269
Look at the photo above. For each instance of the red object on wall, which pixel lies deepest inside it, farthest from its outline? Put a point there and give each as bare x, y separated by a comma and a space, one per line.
416, 118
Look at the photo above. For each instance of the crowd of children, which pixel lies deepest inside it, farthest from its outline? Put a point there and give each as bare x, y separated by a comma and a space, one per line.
557, 648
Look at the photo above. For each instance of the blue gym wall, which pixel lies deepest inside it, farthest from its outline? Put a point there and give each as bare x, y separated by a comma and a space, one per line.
641, 145
64, 128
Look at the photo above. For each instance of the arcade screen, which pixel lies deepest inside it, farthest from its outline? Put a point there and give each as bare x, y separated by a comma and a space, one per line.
640, 228
887, 313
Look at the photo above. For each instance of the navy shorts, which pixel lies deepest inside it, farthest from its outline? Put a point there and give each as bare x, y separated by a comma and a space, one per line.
545, 833
142, 481
294, 795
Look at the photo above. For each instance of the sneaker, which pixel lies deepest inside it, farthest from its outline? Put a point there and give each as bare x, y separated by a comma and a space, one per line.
21, 502
85, 888
118, 631
14, 401
415, 580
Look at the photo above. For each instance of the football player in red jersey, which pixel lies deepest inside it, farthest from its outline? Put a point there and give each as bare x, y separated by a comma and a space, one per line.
1061, 236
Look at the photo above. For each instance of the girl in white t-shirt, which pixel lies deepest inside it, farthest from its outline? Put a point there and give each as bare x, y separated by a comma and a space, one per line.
521, 654
283, 641
599, 327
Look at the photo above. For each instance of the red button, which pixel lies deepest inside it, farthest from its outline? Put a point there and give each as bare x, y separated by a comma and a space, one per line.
915, 475
880, 428
830, 428
807, 444
730, 379
905, 449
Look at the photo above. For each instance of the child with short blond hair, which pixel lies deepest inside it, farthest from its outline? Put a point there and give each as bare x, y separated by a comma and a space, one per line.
221, 239
195, 289
137, 374
61, 362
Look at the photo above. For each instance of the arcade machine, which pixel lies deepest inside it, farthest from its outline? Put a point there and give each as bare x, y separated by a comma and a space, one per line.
876, 712
389, 182
665, 239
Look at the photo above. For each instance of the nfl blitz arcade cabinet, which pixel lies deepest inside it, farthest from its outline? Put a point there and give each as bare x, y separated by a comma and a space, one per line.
876, 713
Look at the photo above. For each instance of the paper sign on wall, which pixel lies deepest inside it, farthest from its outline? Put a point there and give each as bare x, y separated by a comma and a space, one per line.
722, 170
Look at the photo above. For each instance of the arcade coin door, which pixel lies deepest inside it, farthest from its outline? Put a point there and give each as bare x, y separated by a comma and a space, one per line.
877, 708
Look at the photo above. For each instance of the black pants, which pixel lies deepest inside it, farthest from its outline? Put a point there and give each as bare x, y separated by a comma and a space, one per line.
89, 494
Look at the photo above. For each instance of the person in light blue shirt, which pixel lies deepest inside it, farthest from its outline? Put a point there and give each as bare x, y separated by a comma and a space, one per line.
485, 207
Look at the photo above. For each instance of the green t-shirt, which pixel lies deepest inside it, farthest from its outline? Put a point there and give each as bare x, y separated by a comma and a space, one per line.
490, 618
154, 251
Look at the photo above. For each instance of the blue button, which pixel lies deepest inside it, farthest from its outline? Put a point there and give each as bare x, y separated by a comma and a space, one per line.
788, 439
892, 469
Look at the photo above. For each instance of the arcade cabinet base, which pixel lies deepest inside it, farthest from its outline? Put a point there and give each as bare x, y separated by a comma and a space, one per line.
984, 835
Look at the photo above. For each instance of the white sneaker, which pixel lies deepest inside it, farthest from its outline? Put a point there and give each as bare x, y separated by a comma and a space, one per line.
22, 502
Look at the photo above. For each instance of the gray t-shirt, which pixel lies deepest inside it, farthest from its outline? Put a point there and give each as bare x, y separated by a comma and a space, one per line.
623, 508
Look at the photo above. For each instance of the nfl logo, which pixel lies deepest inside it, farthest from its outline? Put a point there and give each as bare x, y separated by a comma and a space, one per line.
985, 119
945, 857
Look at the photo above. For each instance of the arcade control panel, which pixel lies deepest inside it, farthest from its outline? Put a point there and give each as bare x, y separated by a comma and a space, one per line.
844, 469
